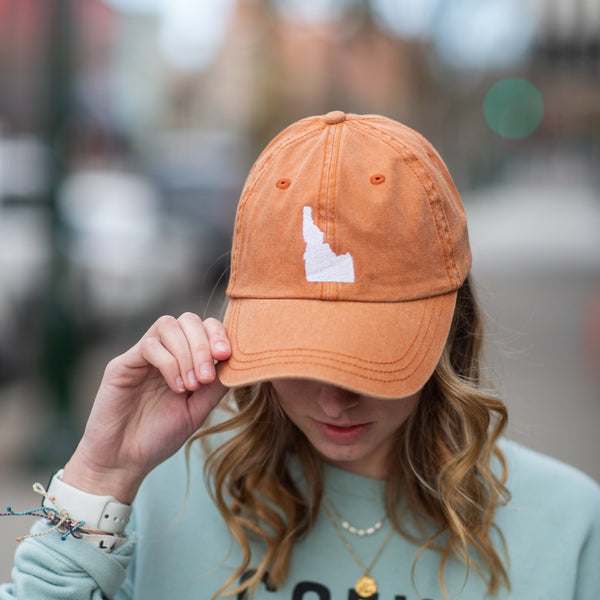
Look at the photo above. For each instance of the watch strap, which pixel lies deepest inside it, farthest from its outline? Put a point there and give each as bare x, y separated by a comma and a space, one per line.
100, 513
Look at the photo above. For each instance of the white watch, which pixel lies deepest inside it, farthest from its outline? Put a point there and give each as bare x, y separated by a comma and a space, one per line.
100, 513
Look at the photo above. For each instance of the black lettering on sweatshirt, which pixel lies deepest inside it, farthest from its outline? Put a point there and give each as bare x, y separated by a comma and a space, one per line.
305, 587
305, 590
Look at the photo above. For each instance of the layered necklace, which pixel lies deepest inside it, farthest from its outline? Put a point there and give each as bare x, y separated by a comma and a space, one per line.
365, 586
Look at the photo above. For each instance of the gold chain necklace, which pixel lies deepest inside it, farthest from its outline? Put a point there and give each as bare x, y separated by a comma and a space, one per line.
365, 586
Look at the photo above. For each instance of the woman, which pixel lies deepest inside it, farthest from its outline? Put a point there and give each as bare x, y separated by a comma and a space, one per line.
356, 455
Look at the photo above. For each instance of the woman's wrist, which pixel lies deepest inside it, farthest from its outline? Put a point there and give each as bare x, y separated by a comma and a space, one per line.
118, 483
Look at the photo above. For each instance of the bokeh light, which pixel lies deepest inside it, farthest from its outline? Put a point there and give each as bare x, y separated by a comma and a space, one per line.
406, 19
314, 11
474, 35
513, 108
135, 6
193, 30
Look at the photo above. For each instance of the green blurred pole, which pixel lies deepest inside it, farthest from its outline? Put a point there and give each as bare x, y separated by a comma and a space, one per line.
59, 345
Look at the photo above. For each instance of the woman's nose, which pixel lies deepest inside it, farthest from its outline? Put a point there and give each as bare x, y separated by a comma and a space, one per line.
334, 400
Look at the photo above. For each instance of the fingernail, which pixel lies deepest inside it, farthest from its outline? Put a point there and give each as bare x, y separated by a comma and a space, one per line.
179, 383
223, 346
192, 378
206, 370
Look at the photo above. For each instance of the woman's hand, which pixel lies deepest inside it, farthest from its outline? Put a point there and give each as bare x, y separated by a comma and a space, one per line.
151, 400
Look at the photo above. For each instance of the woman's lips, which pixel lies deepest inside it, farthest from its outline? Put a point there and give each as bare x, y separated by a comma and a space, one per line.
342, 434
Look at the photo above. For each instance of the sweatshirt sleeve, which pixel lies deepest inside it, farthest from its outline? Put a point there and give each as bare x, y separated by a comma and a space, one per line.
588, 572
51, 568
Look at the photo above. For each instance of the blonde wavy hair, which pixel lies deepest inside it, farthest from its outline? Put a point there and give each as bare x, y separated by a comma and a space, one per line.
440, 470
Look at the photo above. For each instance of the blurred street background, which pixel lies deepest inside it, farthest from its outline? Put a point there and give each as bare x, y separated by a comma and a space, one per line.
127, 128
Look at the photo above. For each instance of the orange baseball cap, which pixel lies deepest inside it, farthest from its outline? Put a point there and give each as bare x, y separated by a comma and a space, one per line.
349, 246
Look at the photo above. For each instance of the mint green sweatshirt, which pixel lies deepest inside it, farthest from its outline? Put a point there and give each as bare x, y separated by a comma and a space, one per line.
184, 552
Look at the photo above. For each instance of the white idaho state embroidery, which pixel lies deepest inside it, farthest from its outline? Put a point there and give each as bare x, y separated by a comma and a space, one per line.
320, 261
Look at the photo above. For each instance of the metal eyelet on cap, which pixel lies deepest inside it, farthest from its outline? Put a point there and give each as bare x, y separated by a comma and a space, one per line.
377, 179
335, 116
282, 184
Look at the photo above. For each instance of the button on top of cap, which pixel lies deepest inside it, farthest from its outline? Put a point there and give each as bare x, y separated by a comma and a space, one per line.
335, 116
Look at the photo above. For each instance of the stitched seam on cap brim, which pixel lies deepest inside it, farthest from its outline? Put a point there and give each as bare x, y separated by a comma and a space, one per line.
420, 330
435, 202
337, 365
346, 358
256, 173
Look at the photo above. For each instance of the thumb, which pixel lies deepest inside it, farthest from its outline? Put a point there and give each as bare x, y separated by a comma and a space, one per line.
204, 400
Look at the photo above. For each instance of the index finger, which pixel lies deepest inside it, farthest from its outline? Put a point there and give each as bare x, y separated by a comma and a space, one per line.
218, 339
207, 342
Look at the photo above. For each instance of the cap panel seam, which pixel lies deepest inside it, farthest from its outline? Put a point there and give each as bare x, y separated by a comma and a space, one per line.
339, 130
435, 202
322, 199
440, 218
451, 254
311, 128
331, 289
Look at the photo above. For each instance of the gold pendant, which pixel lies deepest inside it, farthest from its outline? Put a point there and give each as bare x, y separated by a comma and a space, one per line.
365, 587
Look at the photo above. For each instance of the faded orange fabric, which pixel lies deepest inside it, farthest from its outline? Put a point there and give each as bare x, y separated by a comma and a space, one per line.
379, 196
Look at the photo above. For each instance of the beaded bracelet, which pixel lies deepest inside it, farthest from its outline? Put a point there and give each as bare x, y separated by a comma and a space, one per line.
62, 522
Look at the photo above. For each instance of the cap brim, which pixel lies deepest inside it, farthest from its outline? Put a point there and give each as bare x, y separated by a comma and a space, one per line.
388, 350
